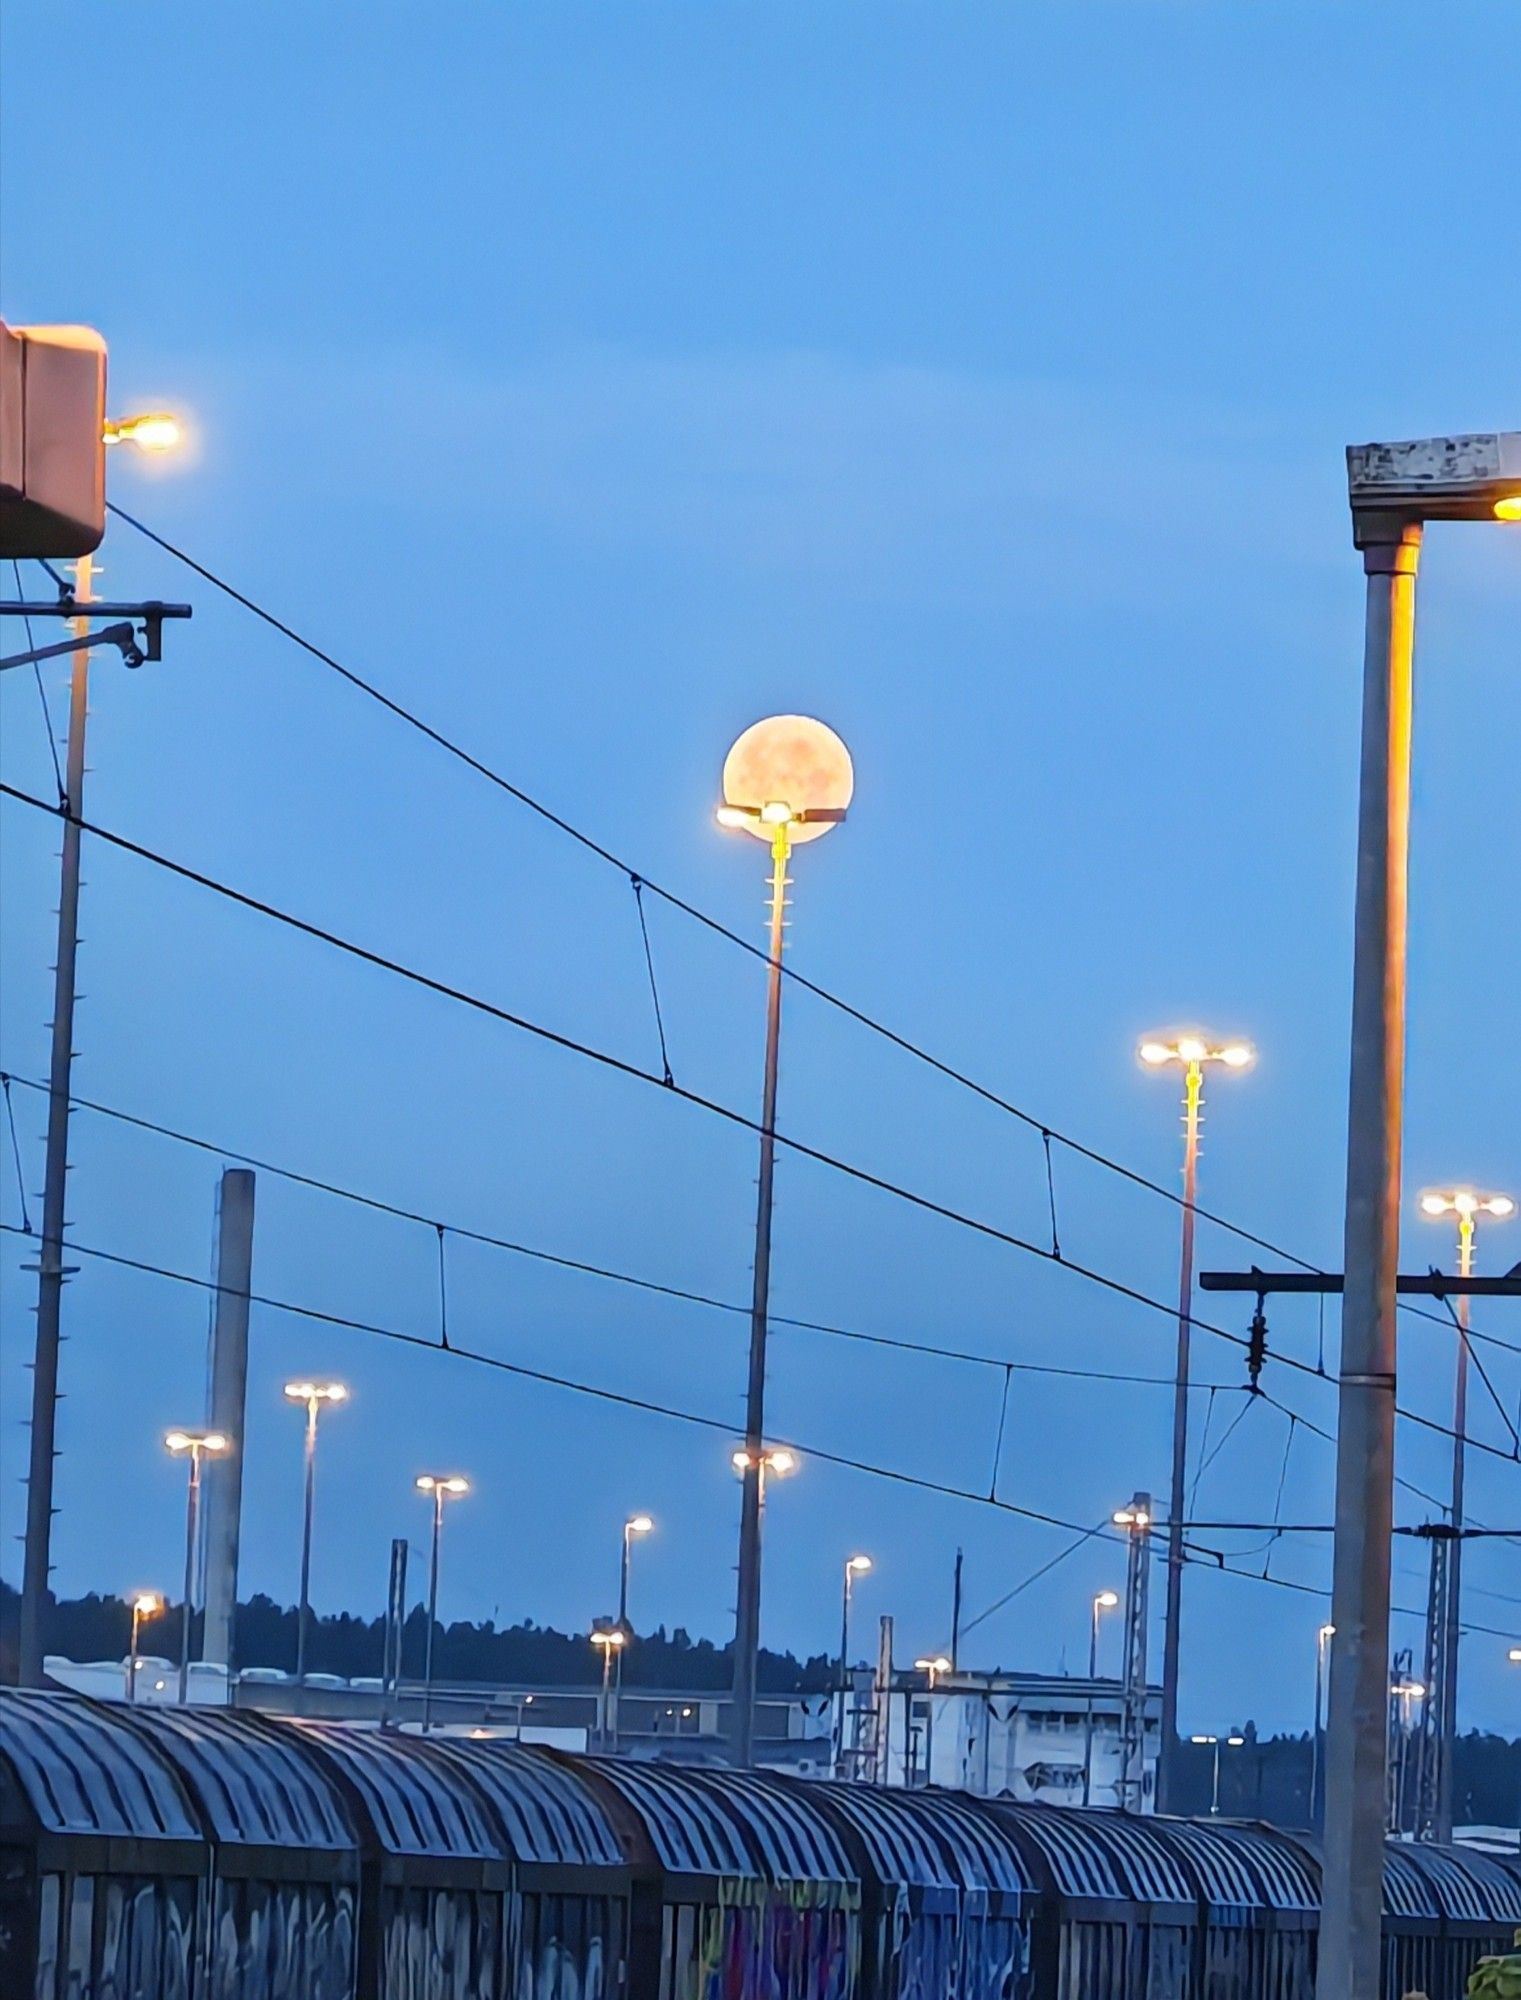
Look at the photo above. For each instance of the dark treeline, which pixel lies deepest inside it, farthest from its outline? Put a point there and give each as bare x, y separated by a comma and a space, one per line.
1266, 1778
99, 1628
1269, 1778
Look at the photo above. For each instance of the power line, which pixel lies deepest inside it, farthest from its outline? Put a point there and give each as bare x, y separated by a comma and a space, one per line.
641, 880
1217, 1561
586, 1269
621, 1066
647, 1405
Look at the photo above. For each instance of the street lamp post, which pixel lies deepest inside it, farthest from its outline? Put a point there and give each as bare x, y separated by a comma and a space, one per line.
787, 780
1104, 1600
193, 1445
1235, 1743
313, 1395
439, 1487
1192, 1053
1323, 1640
609, 1641
1404, 1693
51, 1270
145, 1604
1467, 1204
636, 1524
932, 1671
1394, 489
854, 1566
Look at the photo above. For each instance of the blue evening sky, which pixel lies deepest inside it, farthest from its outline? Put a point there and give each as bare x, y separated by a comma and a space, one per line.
598, 379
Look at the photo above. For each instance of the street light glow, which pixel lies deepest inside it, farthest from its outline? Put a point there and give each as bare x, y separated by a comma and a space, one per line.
148, 1603
1190, 1049
212, 1441
1514, 1656
434, 1482
1508, 509
154, 431
860, 1564
316, 1392
639, 1524
613, 1636
1107, 1600
1132, 1517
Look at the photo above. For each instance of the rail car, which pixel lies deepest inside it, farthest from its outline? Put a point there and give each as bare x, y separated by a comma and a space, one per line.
185, 1854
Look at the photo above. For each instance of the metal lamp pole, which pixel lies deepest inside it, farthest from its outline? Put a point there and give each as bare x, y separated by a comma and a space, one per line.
1104, 1600
145, 1604
932, 1671
1323, 1639
1394, 489
312, 1395
51, 1271
1467, 1205
439, 1487
636, 1524
195, 1445
854, 1566
1192, 1052
787, 779
608, 1642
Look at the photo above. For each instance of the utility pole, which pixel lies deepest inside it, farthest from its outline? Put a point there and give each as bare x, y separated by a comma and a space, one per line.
51, 1270
1136, 1521
1353, 1870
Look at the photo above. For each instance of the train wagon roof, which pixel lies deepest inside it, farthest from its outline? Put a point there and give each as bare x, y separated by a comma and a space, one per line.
83, 1770
929, 1838
548, 1813
256, 1782
418, 1802
712, 1822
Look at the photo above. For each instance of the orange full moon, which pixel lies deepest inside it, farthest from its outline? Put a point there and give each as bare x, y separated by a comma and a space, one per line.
790, 760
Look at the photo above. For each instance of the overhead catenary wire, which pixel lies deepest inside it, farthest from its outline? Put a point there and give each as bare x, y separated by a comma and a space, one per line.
1216, 1562
600, 851
641, 880
620, 1065
928, 1349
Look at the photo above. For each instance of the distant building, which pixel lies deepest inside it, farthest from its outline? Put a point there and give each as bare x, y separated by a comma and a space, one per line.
1021, 1736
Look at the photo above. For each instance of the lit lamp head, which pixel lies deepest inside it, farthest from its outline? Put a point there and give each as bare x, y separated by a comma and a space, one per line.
1194, 1049
1466, 1203
154, 431
1132, 1517
609, 1638
775, 1458
316, 1392
858, 1565
1472, 477
638, 1524
1106, 1600
195, 1442
435, 1482
147, 1603
787, 774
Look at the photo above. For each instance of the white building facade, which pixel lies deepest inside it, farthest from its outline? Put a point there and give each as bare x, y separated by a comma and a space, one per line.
1023, 1736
